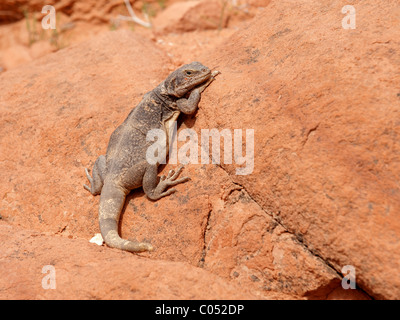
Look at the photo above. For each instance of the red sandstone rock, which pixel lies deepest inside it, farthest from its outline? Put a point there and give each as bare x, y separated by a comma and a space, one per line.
60, 111
190, 16
323, 102
323, 192
14, 56
87, 271
80, 10
65, 90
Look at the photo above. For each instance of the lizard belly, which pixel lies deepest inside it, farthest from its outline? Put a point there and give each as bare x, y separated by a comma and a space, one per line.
168, 128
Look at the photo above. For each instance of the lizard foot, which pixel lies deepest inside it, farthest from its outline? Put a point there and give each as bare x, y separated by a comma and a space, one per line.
96, 180
90, 181
95, 185
167, 181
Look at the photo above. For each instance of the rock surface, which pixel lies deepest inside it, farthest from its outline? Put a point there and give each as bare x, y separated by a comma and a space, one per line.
60, 111
99, 273
324, 104
15, 56
324, 192
90, 10
191, 15
57, 113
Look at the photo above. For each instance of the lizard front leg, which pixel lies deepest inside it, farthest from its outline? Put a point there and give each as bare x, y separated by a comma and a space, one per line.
189, 105
155, 189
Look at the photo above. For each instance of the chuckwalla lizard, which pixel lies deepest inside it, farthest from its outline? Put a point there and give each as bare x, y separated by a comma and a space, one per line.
124, 167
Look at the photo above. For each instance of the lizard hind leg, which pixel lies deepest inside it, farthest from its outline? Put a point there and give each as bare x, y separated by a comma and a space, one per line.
97, 181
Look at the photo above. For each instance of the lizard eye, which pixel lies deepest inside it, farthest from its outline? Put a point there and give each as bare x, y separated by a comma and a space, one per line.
188, 73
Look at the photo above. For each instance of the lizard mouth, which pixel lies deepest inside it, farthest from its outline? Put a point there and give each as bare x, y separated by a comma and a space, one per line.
195, 82
199, 80
205, 77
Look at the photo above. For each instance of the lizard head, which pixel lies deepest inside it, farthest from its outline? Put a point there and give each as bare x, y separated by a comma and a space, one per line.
186, 78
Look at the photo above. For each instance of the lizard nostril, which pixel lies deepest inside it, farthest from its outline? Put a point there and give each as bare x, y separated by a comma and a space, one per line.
204, 69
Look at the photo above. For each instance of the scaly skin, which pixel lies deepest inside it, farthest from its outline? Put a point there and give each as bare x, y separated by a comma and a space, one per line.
124, 167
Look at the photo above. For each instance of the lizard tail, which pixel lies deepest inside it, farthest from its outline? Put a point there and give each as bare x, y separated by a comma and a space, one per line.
112, 200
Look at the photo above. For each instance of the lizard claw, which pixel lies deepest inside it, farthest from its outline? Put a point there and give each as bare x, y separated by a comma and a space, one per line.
165, 182
88, 175
90, 181
170, 173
